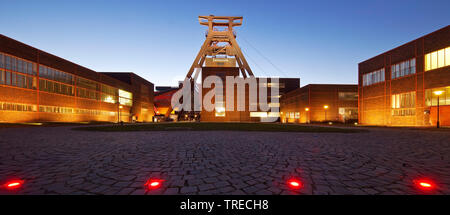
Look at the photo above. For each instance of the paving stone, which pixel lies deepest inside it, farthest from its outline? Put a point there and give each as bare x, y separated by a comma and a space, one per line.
187, 190
59, 160
171, 191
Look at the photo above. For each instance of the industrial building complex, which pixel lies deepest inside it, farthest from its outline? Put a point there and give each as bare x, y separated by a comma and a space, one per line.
37, 86
406, 86
320, 103
401, 87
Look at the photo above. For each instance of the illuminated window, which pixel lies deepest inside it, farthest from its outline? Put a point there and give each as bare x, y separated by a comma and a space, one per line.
17, 107
437, 59
274, 104
404, 104
273, 114
125, 98
258, 114
441, 58
109, 94
431, 98
447, 56
297, 115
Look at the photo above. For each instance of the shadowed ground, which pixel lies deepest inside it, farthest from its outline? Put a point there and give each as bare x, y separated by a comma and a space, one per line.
272, 127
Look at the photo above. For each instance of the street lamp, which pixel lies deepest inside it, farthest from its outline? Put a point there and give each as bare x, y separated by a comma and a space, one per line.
120, 107
309, 117
326, 108
438, 93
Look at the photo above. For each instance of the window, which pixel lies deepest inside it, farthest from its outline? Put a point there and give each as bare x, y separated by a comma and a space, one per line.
17, 107
7, 62
437, 59
220, 109
88, 84
373, 77
258, 114
13, 64
348, 96
125, 98
13, 79
404, 104
403, 68
2, 65
8, 78
431, 98
2, 77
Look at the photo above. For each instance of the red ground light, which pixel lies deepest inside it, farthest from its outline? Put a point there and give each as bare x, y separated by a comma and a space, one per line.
295, 184
425, 184
14, 184
154, 183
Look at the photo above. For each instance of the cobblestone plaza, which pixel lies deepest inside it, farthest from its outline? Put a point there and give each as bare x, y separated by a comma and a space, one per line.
59, 160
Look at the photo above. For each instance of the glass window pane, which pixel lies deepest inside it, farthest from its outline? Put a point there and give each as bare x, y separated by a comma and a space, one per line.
8, 78
447, 56
1, 61
7, 62
13, 64
13, 79
434, 60
2, 77
441, 57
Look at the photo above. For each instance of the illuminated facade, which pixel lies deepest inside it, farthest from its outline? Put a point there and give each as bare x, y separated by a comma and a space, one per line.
320, 103
221, 115
38, 86
403, 93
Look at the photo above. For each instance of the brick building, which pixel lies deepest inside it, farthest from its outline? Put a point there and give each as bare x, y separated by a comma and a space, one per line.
320, 103
397, 88
38, 86
220, 115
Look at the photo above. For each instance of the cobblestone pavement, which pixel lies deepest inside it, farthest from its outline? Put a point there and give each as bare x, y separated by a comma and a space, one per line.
58, 160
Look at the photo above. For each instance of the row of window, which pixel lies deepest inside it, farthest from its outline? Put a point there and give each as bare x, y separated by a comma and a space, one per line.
17, 107
17, 80
404, 112
431, 99
55, 87
403, 69
91, 89
264, 114
125, 98
373, 77
88, 84
404, 100
17, 65
433, 60
437, 59
293, 115
348, 96
5, 106
88, 94
68, 110
56, 75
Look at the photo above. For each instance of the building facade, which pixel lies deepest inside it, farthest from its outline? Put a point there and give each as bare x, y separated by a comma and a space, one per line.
320, 103
398, 87
38, 86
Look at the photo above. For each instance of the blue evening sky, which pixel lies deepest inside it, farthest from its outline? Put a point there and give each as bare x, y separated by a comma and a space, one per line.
318, 41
